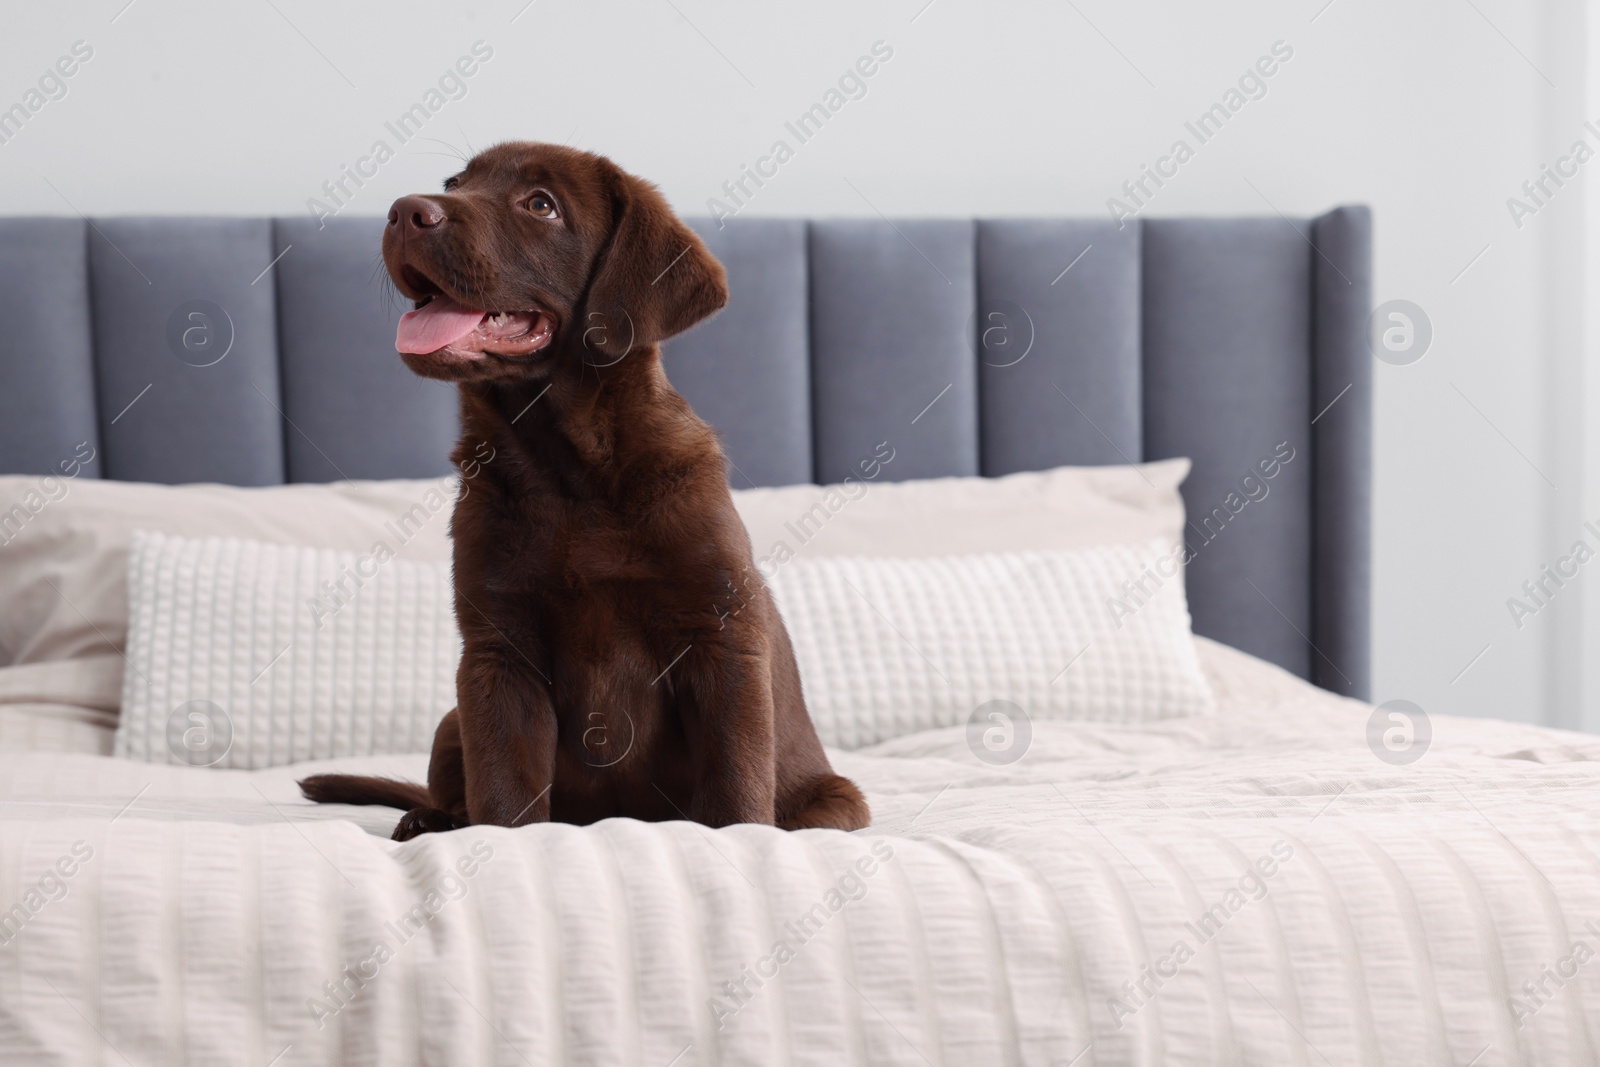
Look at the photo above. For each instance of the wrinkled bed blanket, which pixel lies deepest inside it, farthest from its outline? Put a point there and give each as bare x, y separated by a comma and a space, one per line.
1256, 888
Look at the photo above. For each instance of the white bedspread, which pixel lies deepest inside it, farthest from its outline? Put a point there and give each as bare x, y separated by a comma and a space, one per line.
1255, 889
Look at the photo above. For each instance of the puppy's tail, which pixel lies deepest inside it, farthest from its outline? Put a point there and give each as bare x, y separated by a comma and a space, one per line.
352, 789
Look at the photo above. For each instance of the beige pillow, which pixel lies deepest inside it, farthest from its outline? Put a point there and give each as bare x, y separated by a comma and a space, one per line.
1035, 511
61, 706
64, 552
64, 544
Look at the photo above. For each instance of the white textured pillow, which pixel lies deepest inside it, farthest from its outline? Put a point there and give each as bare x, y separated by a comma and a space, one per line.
308, 653
246, 654
890, 646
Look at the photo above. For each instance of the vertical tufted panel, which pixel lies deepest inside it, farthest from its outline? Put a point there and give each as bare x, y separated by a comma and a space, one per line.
747, 370
1058, 343
1227, 380
47, 405
344, 387
167, 286
1342, 512
892, 321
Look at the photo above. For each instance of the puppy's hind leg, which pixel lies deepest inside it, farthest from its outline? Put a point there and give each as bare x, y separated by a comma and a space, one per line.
419, 821
826, 802
447, 794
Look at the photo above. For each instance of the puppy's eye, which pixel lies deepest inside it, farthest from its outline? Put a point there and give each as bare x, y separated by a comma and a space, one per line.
451, 183
541, 204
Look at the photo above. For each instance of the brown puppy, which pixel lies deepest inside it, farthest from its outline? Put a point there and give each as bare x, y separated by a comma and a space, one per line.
622, 655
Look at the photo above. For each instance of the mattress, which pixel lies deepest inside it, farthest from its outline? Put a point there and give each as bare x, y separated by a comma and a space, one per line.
1255, 887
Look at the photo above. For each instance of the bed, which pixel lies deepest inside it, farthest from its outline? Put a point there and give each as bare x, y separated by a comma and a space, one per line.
1257, 885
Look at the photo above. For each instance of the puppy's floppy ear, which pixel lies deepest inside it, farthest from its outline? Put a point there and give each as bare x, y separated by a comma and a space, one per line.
654, 278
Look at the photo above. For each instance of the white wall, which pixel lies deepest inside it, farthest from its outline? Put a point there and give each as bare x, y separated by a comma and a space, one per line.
1434, 112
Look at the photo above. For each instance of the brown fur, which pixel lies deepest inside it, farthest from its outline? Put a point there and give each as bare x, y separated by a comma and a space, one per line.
622, 656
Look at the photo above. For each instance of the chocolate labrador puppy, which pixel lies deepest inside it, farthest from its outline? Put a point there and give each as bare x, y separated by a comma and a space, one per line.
622, 656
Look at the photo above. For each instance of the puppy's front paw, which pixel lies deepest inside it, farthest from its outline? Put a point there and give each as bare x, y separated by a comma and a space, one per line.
419, 821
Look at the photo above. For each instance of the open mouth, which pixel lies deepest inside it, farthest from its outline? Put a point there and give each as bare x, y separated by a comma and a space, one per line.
445, 327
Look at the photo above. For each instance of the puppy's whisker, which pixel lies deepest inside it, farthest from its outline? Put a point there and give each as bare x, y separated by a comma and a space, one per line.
391, 296
454, 151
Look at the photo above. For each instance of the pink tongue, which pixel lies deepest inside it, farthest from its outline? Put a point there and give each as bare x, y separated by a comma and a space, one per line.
439, 322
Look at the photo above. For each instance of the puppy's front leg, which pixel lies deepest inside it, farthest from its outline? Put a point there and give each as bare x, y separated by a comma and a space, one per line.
508, 738
730, 721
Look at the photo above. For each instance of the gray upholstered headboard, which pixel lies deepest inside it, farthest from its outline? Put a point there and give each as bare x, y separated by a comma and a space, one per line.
974, 347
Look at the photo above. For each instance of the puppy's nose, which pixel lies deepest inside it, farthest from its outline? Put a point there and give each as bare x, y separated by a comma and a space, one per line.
416, 214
